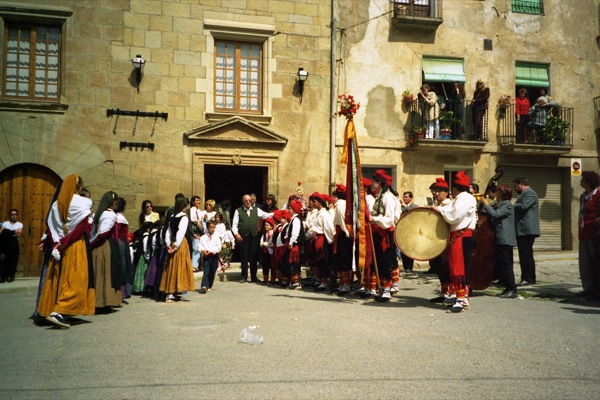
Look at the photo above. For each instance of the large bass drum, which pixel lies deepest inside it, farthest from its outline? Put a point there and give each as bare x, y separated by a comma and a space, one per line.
421, 234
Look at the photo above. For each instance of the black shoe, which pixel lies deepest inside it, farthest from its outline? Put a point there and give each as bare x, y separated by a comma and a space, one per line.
10, 279
243, 280
508, 294
524, 283
254, 280
430, 271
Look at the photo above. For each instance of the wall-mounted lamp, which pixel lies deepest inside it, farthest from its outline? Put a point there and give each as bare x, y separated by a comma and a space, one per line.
138, 63
302, 76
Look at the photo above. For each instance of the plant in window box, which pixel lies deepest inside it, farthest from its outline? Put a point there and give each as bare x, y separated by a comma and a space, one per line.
555, 130
407, 97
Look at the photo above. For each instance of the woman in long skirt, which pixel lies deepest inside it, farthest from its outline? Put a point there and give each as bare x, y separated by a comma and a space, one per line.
106, 255
67, 288
177, 276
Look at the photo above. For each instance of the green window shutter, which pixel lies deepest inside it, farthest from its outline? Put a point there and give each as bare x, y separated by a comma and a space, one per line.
527, 6
437, 69
529, 74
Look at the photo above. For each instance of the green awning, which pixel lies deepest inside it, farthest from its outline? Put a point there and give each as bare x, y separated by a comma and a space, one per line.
528, 74
443, 70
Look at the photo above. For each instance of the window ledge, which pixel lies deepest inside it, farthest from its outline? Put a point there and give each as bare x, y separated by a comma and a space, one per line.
48, 108
259, 119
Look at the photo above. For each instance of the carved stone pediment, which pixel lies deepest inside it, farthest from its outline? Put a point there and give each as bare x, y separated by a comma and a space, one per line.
236, 130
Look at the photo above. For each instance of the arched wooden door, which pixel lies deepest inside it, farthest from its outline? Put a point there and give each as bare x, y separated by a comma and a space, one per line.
28, 188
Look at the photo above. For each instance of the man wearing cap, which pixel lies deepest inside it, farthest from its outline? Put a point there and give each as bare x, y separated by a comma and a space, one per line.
382, 221
293, 234
461, 215
440, 264
281, 218
321, 235
245, 230
343, 242
527, 225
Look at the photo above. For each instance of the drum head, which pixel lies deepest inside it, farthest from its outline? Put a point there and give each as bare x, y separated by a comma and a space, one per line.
421, 234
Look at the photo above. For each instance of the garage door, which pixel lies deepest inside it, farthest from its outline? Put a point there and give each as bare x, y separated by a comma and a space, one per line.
548, 184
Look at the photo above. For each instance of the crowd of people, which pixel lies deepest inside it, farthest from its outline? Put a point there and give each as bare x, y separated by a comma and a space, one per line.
94, 260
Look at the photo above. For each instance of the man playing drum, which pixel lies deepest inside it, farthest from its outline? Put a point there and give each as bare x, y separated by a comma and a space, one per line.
461, 215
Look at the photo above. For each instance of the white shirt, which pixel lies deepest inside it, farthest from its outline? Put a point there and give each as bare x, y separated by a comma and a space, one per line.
340, 216
461, 213
236, 217
181, 231
323, 225
212, 243
386, 221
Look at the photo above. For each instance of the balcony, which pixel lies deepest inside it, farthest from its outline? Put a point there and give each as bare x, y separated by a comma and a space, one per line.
423, 15
461, 125
554, 136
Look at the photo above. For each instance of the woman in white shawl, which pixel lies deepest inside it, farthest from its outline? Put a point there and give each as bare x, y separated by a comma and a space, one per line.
67, 288
106, 269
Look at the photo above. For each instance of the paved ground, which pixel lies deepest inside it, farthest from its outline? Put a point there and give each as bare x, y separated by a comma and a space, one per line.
316, 346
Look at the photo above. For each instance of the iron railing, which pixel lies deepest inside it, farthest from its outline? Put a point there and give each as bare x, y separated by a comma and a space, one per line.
417, 8
464, 122
558, 119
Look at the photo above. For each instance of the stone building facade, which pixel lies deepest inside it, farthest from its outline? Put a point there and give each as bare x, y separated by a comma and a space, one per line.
218, 109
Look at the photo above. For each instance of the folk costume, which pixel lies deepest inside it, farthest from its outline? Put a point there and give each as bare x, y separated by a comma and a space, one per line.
177, 276
440, 264
279, 247
343, 242
382, 222
266, 256
321, 235
68, 284
126, 263
461, 215
105, 253
293, 235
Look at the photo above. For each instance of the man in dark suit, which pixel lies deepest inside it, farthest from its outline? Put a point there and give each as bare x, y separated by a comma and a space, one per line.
527, 226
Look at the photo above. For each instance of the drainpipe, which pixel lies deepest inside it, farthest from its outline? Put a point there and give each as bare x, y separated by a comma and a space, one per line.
332, 101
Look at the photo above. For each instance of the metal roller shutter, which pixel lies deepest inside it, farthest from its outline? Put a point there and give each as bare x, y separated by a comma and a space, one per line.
548, 184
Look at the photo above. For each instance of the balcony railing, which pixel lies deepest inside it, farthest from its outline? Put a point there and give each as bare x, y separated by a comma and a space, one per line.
459, 121
556, 129
419, 14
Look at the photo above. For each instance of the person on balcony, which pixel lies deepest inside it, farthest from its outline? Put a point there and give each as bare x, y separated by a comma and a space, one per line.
456, 105
538, 116
522, 107
479, 107
431, 112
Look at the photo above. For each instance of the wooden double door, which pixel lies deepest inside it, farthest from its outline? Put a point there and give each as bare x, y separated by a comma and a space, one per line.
29, 188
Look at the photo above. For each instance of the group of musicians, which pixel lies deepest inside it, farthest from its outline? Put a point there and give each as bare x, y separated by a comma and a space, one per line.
329, 241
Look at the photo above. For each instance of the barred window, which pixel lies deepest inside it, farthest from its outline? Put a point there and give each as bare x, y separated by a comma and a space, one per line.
32, 67
528, 6
238, 72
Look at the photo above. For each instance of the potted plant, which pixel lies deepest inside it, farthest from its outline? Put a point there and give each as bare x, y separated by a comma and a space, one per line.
407, 97
555, 130
447, 122
418, 131
503, 102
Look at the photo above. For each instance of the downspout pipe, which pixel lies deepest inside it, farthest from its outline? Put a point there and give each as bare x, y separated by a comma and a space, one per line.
332, 100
